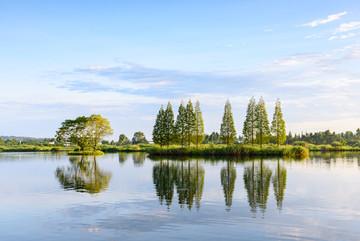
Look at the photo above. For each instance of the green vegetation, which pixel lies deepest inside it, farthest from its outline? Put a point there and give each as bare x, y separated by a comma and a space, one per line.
327, 137
278, 125
227, 129
231, 150
198, 132
84, 131
86, 153
262, 123
249, 129
139, 138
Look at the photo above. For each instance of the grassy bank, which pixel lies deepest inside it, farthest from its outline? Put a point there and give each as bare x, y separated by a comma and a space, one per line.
235, 150
32, 148
330, 148
86, 153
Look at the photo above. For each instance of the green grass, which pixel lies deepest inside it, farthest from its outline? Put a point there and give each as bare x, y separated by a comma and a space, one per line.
125, 148
234, 150
86, 153
30, 148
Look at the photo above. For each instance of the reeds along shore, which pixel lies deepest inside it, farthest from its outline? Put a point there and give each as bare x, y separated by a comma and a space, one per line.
234, 150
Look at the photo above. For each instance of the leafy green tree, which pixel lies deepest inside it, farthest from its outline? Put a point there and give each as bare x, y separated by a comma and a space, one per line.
84, 131
358, 133
123, 140
227, 129
99, 127
180, 124
158, 131
2, 142
262, 123
168, 125
214, 138
76, 131
278, 125
199, 135
249, 129
138, 138
189, 123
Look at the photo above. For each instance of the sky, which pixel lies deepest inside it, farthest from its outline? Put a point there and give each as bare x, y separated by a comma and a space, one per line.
124, 59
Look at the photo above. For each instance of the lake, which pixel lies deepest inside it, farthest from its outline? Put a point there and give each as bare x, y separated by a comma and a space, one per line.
128, 196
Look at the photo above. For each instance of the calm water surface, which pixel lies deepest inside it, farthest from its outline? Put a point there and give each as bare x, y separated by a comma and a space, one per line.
46, 196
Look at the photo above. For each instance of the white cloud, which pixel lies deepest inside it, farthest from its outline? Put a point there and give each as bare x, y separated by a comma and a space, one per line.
355, 53
268, 30
229, 45
345, 27
313, 36
329, 18
297, 60
345, 36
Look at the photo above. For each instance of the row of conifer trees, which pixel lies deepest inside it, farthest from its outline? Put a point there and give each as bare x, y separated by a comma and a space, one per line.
189, 125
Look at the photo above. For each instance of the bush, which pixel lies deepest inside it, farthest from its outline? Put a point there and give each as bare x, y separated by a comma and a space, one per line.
336, 143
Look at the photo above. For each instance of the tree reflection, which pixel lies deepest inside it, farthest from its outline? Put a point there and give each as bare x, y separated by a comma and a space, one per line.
279, 184
122, 158
138, 158
164, 179
83, 175
189, 183
187, 177
228, 176
257, 183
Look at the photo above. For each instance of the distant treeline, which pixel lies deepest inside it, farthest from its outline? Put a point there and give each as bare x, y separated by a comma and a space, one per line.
325, 138
188, 128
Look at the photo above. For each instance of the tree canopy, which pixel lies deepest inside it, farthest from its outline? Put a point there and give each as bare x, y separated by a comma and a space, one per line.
84, 131
278, 125
227, 129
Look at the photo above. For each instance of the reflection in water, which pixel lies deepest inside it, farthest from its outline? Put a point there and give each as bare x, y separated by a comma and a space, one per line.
188, 178
228, 176
279, 184
257, 183
122, 158
163, 178
83, 175
138, 158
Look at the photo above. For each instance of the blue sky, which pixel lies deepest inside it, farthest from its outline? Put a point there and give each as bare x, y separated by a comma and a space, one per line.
123, 59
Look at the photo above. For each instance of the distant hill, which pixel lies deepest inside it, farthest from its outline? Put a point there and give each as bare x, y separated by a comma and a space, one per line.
22, 138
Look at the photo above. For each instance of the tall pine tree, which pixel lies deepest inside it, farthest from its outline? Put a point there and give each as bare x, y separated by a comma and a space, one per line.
227, 129
180, 124
189, 123
199, 135
158, 131
249, 130
262, 123
278, 125
169, 125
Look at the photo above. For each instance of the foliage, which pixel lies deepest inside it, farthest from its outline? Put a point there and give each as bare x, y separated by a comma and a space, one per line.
189, 123
168, 127
234, 150
262, 123
123, 140
326, 138
99, 127
138, 138
199, 135
249, 129
84, 131
227, 129
180, 124
278, 125
158, 131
